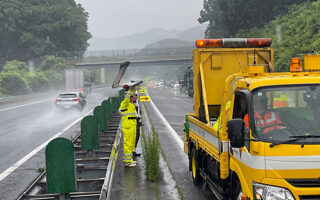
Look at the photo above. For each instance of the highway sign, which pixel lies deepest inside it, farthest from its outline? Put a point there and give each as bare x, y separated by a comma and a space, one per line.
142, 88
144, 98
142, 91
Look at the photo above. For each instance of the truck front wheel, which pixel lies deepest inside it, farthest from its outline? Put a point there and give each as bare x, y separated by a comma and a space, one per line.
195, 167
238, 191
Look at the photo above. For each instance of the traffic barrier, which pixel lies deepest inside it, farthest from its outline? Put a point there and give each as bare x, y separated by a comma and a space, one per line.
121, 94
100, 113
91, 161
107, 106
115, 103
89, 133
60, 166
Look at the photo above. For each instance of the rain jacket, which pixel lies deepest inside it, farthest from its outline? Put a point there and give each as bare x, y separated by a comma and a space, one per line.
129, 125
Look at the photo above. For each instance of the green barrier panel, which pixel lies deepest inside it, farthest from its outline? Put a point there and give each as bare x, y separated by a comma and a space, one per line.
100, 113
89, 133
60, 166
107, 106
114, 104
121, 94
117, 102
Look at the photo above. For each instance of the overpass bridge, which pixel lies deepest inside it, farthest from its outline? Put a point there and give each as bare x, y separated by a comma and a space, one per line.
137, 57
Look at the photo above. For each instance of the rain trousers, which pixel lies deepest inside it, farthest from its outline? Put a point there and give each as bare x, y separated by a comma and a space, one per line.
129, 126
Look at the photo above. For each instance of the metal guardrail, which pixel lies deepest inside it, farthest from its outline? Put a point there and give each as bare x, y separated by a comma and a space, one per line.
132, 55
125, 53
12, 99
106, 187
37, 187
5, 99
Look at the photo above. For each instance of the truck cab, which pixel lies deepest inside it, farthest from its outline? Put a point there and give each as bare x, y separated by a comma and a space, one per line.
254, 133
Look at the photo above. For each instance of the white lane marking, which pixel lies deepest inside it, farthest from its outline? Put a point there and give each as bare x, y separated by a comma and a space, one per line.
169, 127
23, 105
36, 150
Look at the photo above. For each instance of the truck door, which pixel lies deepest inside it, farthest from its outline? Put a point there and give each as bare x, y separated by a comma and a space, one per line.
240, 110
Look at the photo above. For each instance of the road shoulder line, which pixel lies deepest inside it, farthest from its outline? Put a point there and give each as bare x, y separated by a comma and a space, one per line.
4, 109
11, 169
172, 132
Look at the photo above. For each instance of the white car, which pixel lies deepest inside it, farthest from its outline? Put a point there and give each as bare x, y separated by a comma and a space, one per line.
176, 86
71, 100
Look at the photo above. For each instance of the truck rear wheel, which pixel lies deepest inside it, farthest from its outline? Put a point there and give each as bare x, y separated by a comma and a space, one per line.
195, 167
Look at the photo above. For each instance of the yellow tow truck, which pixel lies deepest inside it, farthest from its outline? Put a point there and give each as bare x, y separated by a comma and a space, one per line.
254, 133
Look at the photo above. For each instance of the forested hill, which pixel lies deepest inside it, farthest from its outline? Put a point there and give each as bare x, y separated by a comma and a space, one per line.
296, 32
32, 28
293, 25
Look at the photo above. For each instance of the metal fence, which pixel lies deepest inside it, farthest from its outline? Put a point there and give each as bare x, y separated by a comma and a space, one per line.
125, 54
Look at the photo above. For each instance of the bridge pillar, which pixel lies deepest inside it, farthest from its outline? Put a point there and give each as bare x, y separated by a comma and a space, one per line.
103, 75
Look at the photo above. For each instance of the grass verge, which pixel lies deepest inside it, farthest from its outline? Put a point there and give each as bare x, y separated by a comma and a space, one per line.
162, 152
150, 149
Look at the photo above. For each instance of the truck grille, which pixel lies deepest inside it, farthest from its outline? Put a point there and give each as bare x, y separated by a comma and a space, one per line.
310, 197
304, 182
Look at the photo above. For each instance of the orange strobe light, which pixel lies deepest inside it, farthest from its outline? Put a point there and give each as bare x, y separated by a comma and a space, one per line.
233, 42
295, 65
205, 43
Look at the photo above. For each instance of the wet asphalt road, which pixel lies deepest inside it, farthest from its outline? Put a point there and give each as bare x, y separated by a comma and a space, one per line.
25, 128
174, 106
29, 126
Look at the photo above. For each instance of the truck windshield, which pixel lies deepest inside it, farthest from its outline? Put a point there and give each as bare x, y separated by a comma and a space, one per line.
283, 113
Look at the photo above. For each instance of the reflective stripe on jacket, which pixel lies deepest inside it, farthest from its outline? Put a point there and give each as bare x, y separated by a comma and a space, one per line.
128, 112
269, 118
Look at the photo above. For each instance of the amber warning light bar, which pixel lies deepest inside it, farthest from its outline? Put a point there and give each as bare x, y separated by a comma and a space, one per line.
234, 42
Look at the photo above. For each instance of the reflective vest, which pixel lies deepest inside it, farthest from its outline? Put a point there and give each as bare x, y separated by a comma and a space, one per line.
217, 126
128, 113
280, 102
269, 118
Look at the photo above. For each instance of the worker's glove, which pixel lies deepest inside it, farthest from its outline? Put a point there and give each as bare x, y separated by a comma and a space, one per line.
140, 124
128, 94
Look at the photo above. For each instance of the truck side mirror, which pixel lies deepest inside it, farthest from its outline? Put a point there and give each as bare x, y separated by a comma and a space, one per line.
236, 133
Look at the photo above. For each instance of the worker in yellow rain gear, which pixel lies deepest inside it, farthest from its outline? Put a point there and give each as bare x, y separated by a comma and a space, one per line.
129, 125
217, 126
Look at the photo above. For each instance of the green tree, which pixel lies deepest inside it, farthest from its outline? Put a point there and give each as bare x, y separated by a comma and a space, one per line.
53, 63
33, 28
13, 83
56, 80
17, 66
38, 81
96, 76
53, 69
227, 17
295, 33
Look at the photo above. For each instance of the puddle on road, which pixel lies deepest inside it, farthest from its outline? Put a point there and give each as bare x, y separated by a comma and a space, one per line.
167, 185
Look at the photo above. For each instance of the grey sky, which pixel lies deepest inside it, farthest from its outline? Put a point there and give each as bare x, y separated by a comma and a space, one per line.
115, 18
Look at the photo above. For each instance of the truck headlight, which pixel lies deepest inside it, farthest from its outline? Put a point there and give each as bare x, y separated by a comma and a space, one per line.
268, 192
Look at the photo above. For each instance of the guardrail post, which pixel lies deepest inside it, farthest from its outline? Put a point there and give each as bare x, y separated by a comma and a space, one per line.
114, 101
100, 113
60, 166
89, 133
121, 94
107, 106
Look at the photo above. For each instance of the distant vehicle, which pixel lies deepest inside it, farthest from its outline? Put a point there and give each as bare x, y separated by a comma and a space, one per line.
78, 79
71, 101
176, 86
